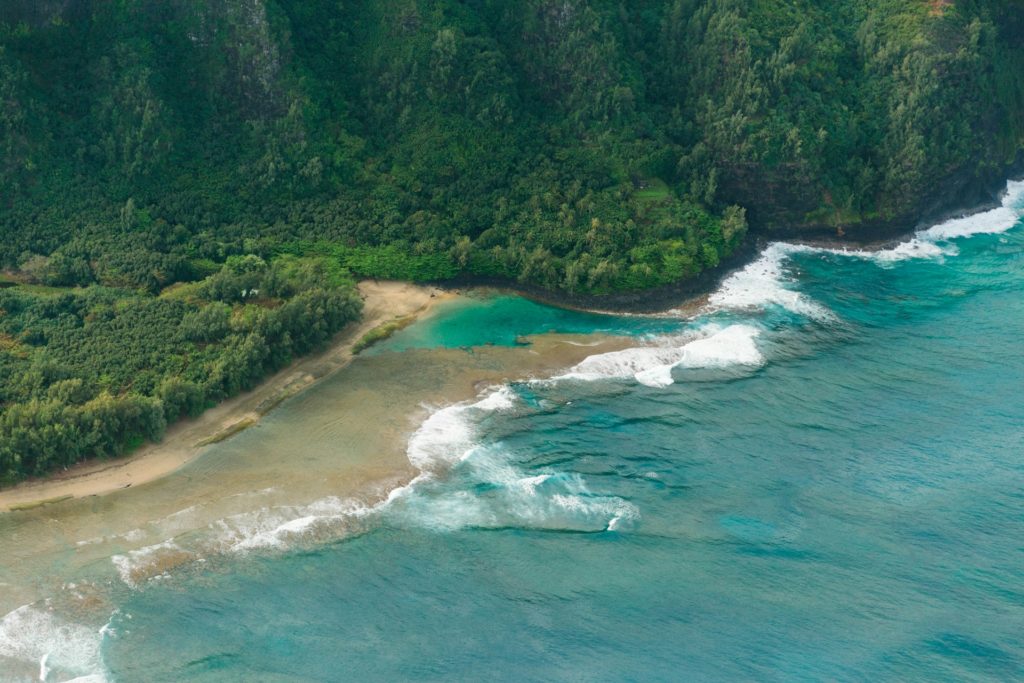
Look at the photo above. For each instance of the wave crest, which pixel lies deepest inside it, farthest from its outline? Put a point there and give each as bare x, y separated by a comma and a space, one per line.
762, 283
717, 347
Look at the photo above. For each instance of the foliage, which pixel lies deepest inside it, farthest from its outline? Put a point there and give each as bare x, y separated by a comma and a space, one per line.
583, 146
241, 159
91, 371
381, 332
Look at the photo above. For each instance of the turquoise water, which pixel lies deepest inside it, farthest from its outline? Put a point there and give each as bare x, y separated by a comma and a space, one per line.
504, 320
821, 477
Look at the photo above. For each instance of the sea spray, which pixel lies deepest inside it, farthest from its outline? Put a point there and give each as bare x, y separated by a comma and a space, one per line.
34, 637
763, 283
712, 346
484, 486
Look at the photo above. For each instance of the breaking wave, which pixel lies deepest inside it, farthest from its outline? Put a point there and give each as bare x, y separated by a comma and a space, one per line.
279, 527
937, 241
36, 644
447, 435
466, 479
454, 465
484, 485
714, 347
138, 566
762, 283
765, 283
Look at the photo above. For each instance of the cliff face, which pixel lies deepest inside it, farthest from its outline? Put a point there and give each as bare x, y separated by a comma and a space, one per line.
587, 146
786, 204
922, 115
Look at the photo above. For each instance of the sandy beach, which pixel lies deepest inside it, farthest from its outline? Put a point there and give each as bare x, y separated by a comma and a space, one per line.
185, 440
322, 437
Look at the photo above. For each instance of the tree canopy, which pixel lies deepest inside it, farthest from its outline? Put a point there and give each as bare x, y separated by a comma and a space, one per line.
584, 146
254, 153
95, 371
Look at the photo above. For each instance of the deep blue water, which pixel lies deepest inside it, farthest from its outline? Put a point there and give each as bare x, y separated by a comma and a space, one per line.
847, 506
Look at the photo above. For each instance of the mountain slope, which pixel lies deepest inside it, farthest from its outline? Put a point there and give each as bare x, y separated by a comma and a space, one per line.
187, 187
585, 146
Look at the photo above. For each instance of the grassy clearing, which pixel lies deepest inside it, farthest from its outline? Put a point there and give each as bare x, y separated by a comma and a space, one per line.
182, 291
47, 290
655, 190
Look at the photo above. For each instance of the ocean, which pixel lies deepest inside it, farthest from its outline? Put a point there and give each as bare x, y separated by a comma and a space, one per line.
815, 474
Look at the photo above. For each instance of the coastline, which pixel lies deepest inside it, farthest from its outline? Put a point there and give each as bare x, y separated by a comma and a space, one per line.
311, 472
682, 295
384, 301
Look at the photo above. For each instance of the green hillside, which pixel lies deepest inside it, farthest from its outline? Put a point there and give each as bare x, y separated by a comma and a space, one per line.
580, 147
585, 146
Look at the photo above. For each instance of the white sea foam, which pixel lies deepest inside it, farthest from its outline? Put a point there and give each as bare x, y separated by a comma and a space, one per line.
937, 241
624, 363
485, 486
489, 490
138, 566
652, 365
995, 221
732, 346
278, 526
762, 283
444, 438
35, 638
447, 435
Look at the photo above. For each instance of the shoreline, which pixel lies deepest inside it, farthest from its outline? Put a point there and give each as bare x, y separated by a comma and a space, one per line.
387, 302
681, 295
184, 441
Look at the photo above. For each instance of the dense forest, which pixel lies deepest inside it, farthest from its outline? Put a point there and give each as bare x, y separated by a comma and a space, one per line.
99, 370
153, 152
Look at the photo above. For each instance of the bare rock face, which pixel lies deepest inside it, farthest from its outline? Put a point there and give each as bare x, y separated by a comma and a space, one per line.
235, 36
239, 35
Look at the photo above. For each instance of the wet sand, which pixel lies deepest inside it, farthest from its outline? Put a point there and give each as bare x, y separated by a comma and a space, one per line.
383, 302
341, 442
328, 442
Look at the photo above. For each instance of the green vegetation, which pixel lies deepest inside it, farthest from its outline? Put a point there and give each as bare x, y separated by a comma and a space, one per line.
228, 432
153, 153
96, 371
382, 332
590, 147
